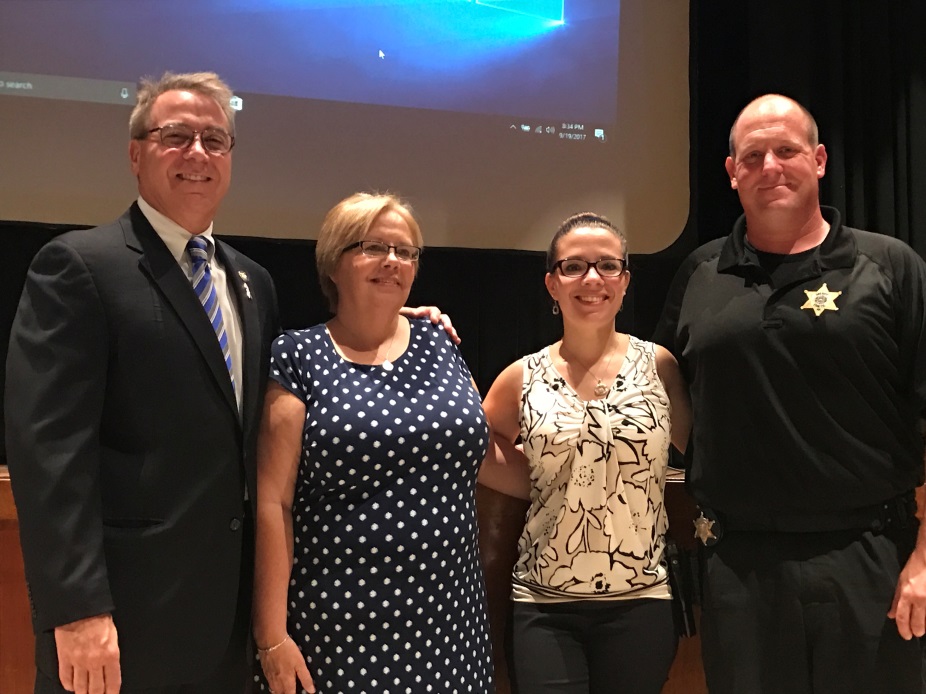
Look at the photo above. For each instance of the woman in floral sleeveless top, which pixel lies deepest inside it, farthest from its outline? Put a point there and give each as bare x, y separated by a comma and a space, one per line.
596, 413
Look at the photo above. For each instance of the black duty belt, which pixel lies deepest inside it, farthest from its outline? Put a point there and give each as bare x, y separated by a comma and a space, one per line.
898, 512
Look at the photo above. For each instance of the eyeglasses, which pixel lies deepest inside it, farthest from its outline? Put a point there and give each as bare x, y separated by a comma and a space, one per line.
380, 249
181, 136
577, 267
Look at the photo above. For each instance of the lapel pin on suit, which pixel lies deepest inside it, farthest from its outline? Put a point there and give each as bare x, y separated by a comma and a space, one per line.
244, 276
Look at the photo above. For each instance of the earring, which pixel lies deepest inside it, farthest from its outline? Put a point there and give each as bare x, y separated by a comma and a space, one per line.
555, 307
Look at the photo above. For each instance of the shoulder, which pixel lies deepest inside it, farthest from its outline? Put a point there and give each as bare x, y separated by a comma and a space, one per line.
294, 351
709, 250
513, 372
656, 352
698, 268
96, 256
640, 344
534, 357
881, 246
297, 339
706, 255
433, 334
703, 259
508, 383
518, 372
667, 368
87, 242
423, 325
894, 257
664, 358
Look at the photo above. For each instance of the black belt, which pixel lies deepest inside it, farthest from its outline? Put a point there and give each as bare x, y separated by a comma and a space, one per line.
898, 512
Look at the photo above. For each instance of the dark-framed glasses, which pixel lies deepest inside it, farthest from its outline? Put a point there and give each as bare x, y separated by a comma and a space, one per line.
181, 136
380, 249
578, 267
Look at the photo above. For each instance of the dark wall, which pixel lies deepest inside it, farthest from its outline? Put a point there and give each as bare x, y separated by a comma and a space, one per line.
496, 298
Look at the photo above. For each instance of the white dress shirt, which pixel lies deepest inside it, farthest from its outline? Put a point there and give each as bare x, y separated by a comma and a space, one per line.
176, 238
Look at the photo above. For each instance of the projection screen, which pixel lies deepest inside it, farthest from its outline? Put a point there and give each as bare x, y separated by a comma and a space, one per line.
496, 119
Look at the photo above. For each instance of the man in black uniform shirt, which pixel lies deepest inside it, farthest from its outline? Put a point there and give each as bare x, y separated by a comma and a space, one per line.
804, 344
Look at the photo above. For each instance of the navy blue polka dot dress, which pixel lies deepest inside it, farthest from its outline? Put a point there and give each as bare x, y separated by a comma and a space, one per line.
387, 593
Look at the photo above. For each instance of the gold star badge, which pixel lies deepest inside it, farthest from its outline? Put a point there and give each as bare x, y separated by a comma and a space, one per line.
704, 529
821, 300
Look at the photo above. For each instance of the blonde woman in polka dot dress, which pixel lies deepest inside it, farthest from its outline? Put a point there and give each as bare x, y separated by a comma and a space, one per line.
368, 576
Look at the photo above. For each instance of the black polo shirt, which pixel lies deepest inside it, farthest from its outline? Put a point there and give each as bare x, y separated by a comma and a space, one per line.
808, 384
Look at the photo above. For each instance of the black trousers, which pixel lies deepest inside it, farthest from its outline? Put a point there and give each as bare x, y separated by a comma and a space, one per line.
593, 647
806, 613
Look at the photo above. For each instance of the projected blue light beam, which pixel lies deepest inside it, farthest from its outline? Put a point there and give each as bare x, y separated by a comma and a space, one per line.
553, 10
486, 56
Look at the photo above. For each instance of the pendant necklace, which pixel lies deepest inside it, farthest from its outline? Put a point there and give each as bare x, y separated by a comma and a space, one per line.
600, 389
388, 365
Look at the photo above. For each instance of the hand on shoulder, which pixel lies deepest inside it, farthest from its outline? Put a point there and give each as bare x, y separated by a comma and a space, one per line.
433, 314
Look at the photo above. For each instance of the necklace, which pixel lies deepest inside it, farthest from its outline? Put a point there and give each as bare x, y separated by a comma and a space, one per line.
388, 365
600, 389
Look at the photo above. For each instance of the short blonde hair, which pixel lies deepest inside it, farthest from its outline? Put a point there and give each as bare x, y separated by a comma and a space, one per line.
349, 222
206, 83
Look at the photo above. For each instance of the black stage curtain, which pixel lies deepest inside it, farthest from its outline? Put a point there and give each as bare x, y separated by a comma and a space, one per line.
859, 66
497, 299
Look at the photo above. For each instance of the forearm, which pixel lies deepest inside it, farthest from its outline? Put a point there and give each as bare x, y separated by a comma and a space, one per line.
908, 608
920, 494
506, 470
273, 566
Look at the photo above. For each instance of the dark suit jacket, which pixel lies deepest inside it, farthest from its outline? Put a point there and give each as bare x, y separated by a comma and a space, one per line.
127, 454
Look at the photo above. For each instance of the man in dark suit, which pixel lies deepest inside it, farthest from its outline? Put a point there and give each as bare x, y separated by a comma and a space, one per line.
131, 416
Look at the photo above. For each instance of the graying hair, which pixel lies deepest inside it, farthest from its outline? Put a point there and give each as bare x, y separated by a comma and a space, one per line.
206, 83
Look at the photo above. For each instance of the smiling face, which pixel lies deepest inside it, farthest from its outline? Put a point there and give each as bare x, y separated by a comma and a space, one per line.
775, 165
590, 297
363, 280
184, 184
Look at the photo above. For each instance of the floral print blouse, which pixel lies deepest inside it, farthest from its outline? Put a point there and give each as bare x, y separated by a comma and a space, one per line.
596, 525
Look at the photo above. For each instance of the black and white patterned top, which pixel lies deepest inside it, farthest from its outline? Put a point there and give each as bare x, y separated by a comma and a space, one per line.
596, 525
387, 591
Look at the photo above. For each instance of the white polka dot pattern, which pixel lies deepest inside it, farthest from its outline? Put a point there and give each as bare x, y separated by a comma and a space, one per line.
387, 593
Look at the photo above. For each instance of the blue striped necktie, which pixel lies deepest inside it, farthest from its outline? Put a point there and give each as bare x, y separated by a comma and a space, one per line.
200, 249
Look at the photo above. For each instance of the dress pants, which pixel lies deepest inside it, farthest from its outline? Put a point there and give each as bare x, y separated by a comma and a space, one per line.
806, 613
